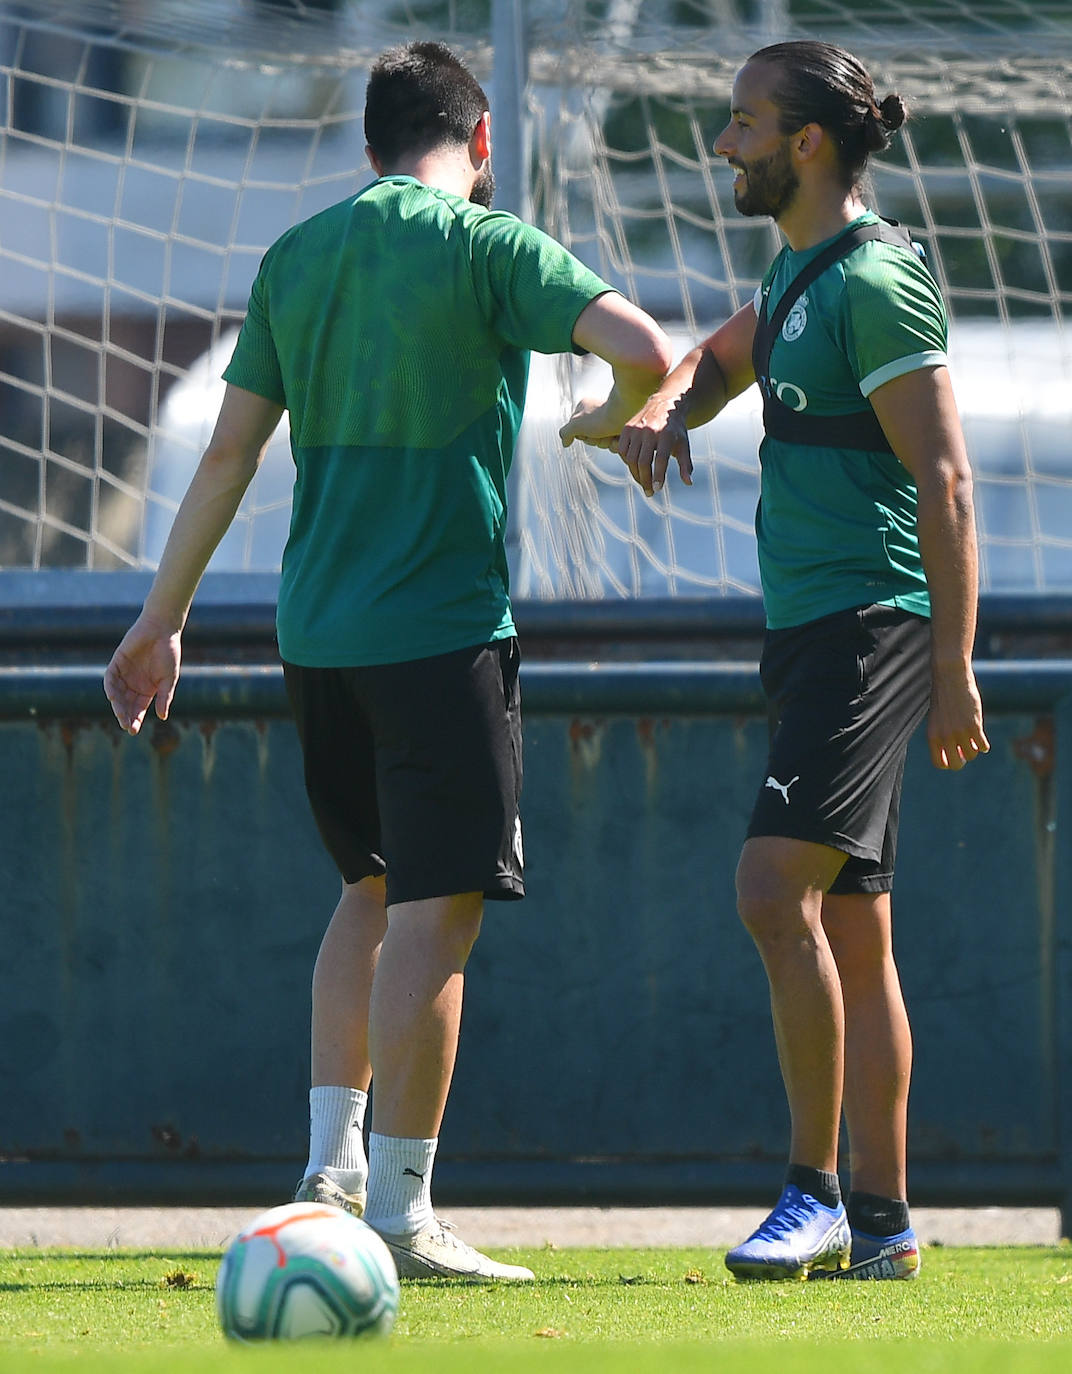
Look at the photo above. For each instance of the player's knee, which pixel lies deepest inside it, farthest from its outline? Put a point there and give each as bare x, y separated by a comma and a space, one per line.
443, 929
761, 911
771, 908
458, 923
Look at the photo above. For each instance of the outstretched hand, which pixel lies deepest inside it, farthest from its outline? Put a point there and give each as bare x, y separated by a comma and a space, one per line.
653, 436
144, 667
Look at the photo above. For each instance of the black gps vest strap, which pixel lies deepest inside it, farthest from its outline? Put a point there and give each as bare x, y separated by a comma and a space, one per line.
858, 429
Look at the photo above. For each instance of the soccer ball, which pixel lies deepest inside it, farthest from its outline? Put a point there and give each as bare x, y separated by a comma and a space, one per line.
305, 1269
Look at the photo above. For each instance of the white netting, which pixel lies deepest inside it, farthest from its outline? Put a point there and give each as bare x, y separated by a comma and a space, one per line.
624, 125
151, 152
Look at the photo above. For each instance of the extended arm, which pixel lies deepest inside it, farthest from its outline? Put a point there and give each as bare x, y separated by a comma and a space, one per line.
919, 416
146, 663
694, 392
638, 351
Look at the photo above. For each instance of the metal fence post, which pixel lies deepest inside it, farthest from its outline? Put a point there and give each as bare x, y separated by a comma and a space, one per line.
510, 156
508, 83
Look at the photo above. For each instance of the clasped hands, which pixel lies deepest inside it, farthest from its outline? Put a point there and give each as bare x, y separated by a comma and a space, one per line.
645, 444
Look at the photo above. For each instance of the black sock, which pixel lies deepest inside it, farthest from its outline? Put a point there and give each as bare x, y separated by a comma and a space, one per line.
877, 1216
823, 1187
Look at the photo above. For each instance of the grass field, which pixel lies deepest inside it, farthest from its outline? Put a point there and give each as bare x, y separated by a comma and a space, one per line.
977, 1311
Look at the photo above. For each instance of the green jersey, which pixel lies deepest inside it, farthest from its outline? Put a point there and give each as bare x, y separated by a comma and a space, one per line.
395, 328
837, 527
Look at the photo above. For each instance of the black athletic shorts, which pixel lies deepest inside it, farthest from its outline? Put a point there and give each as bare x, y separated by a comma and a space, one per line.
414, 770
845, 693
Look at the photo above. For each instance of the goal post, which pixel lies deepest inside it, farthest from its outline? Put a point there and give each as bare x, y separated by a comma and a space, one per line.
150, 153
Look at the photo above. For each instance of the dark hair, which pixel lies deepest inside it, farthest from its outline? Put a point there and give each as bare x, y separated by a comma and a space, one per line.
419, 97
820, 84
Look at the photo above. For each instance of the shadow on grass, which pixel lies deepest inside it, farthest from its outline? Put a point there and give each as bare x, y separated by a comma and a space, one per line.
56, 1255
103, 1286
587, 1281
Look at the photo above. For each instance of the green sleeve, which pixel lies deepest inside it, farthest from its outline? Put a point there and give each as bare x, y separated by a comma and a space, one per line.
530, 288
896, 316
254, 365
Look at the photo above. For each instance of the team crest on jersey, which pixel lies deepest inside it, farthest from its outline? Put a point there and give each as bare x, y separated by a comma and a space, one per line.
796, 320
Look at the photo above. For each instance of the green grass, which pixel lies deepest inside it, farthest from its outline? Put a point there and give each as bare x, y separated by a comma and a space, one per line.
979, 1311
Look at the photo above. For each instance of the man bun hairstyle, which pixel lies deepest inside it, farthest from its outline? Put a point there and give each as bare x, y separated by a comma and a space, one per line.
818, 83
419, 97
892, 113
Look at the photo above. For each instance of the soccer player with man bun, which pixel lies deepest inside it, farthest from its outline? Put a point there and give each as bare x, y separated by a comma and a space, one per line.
867, 558
395, 328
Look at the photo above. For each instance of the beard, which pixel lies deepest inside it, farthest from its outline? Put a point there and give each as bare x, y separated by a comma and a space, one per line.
483, 190
770, 185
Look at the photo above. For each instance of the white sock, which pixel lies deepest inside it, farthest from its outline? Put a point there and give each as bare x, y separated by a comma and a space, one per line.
336, 1145
399, 1184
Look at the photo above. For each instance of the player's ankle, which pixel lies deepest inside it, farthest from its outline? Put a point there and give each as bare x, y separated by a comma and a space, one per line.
400, 1184
824, 1187
877, 1216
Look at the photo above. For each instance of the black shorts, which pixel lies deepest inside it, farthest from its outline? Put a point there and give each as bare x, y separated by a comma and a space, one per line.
845, 694
414, 770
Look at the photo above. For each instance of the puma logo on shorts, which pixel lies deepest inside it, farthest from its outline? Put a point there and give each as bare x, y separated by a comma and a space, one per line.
782, 787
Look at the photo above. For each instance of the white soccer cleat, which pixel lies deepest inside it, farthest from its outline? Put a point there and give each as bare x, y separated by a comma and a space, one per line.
435, 1252
321, 1188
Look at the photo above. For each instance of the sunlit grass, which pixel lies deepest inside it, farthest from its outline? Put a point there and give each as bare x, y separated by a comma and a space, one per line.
972, 1310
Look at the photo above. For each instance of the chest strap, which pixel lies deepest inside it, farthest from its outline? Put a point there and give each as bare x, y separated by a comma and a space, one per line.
859, 429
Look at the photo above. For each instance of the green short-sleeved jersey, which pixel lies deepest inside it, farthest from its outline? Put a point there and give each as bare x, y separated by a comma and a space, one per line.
396, 328
837, 527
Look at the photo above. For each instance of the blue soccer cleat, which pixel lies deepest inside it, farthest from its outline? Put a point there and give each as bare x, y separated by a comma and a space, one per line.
881, 1257
798, 1237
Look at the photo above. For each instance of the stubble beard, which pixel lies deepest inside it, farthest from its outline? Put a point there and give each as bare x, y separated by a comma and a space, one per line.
483, 191
770, 187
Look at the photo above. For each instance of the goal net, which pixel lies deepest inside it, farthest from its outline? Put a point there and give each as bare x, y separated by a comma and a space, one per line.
150, 153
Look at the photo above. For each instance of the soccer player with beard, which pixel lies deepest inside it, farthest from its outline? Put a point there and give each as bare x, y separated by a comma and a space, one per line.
867, 558
395, 328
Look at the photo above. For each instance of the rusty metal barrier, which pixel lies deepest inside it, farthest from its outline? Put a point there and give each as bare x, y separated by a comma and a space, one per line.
164, 898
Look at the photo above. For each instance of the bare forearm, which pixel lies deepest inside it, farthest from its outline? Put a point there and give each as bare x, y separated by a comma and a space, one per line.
947, 543
713, 373
630, 389
145, 666
697, 388
202, 520
919, 416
